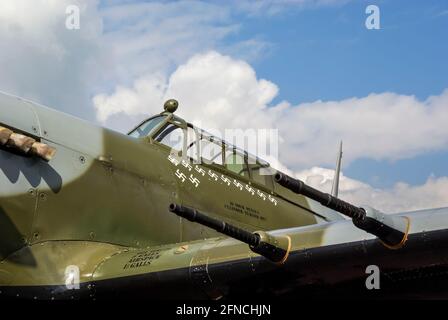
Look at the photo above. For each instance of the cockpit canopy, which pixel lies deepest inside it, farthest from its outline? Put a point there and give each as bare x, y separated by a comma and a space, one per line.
175, 133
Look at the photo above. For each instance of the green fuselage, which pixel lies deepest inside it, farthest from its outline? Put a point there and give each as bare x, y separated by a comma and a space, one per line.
107, 187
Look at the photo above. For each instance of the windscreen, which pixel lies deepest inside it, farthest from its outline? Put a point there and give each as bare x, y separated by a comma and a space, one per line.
146, 128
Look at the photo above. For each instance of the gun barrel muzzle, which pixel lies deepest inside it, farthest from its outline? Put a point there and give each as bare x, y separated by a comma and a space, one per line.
275, 248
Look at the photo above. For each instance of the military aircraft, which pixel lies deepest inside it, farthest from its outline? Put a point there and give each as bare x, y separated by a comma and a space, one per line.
87, 212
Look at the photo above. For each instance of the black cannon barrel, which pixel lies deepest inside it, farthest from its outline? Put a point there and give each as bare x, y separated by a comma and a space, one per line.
327, 200
252, 239
392, 231
274, 248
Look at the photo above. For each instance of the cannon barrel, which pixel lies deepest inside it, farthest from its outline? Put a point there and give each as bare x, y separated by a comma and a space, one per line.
327, 200
275, 248
391, 230
215, 224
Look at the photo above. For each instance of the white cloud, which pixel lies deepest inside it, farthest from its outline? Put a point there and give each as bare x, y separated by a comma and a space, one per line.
400, 198
142, 38
147, 37
211, 88
118, 42
41, 59
380, 126
147, 91
221, 92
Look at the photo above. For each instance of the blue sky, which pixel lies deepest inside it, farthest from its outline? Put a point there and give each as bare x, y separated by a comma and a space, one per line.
327, 53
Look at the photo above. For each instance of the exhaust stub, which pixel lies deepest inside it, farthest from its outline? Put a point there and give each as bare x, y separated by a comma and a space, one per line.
20, 142
43, 151
25, 145
5, 133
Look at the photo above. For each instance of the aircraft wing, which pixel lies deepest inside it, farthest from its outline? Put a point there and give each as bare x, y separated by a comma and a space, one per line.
321, 258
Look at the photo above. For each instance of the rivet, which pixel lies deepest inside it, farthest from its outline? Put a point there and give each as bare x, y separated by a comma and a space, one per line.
82, 159
34, 129
32, 192
43, 196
